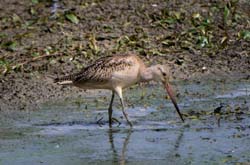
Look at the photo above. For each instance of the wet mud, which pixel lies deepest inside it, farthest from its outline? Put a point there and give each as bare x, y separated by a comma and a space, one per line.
216, 128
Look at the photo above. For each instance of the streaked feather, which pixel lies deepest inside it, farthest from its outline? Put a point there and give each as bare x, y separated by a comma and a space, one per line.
101, 70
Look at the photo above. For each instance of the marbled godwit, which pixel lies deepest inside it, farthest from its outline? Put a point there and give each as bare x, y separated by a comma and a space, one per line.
116, 73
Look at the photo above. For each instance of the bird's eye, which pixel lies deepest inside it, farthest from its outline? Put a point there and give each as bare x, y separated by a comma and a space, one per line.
164, 74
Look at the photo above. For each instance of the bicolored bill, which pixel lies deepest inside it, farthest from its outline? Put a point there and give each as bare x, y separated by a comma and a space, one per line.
171, 95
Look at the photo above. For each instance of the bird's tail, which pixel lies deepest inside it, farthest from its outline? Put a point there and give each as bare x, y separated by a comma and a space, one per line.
66, 80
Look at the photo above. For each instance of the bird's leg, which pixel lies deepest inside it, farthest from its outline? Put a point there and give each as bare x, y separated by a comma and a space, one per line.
118, 90
110, 109
124, 113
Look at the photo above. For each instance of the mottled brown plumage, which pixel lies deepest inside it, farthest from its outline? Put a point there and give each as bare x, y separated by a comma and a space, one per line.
116, 73
101, 70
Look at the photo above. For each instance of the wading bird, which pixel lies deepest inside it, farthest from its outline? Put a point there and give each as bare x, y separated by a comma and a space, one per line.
116, 73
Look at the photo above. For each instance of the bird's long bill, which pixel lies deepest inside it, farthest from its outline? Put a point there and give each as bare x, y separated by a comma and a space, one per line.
171, 95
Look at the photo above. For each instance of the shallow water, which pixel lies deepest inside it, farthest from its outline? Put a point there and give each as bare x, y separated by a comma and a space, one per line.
66, 132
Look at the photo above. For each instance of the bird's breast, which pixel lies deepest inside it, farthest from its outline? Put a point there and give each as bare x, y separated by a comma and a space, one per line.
125, 78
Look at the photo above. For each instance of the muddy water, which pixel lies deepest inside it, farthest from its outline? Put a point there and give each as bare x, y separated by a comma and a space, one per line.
66, 132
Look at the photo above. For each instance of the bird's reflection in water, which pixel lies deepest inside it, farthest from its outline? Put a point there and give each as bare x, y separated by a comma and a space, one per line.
121, 159
174, 153
178, 141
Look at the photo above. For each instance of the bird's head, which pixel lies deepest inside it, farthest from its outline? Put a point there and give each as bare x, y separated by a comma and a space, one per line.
161, 73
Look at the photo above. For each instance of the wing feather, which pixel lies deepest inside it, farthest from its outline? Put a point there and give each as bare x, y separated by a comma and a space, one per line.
101, 70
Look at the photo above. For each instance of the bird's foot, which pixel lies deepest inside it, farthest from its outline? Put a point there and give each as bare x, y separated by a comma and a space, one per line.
115, 120
100, 122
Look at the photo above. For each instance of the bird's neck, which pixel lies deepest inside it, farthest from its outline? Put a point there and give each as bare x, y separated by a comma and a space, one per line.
146, 74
